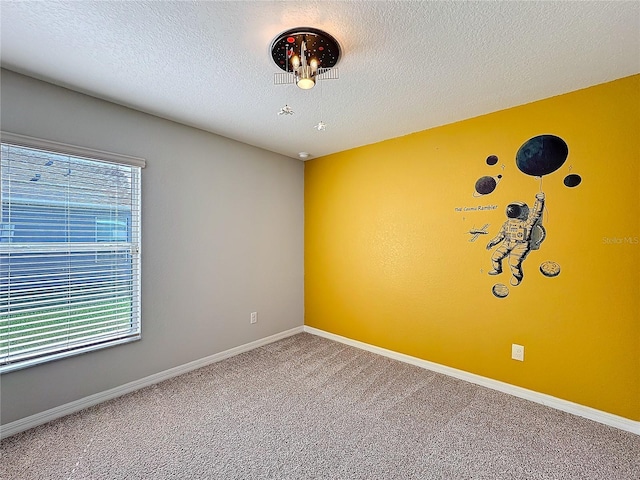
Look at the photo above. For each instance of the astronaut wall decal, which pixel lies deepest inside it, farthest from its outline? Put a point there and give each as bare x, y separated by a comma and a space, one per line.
521, 233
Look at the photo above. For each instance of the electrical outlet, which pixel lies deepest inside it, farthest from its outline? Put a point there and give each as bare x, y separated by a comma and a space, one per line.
254, 317
517, 352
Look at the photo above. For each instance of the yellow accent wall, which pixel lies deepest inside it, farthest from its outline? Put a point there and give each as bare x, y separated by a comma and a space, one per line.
389, 262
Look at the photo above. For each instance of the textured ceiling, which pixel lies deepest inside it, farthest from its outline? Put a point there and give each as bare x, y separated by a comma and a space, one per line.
406, 66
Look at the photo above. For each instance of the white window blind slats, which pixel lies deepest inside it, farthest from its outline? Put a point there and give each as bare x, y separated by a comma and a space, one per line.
69, 254
72, 322
44, 294
43, 308
42, 335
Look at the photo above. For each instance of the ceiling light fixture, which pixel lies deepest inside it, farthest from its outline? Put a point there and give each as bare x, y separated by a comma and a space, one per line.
305, 54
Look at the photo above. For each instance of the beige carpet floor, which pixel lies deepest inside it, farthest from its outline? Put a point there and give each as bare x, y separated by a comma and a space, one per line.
310, 408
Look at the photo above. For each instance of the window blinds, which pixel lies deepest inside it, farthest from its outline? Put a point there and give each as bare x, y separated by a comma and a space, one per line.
69, 254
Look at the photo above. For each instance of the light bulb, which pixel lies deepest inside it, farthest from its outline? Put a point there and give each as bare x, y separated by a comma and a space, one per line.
306, 83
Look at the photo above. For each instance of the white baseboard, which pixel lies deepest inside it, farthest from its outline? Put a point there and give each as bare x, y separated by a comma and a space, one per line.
541, 398
75, 406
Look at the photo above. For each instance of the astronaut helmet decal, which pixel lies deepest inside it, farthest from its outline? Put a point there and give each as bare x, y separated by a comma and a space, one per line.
517, 210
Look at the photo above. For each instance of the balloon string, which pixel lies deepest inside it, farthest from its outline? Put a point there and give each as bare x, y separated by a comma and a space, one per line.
545, 212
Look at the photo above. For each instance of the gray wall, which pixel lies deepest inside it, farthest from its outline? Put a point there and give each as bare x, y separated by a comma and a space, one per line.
222, 236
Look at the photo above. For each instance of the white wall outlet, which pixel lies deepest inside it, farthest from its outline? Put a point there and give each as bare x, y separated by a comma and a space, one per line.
517, 352
254, 317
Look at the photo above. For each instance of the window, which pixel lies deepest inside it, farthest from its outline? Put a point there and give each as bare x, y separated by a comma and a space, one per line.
69, 250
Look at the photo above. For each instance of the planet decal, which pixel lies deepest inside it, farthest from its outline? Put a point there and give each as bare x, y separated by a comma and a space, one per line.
492, 160
550, 269
541, 155
500, 290
486, 185
572, 180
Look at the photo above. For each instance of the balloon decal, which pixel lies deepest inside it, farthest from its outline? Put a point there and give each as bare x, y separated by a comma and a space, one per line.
541, 155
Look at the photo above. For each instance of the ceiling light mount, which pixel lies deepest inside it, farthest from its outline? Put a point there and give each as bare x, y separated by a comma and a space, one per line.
305, 54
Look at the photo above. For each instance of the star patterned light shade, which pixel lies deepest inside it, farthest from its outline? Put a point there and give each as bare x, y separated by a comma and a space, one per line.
304, 54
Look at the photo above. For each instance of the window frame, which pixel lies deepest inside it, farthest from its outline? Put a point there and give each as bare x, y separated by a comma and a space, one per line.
84, 153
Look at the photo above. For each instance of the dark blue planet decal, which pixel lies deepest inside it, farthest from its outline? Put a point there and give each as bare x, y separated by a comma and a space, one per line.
572, 180
492, 160
486, 185
542, 155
